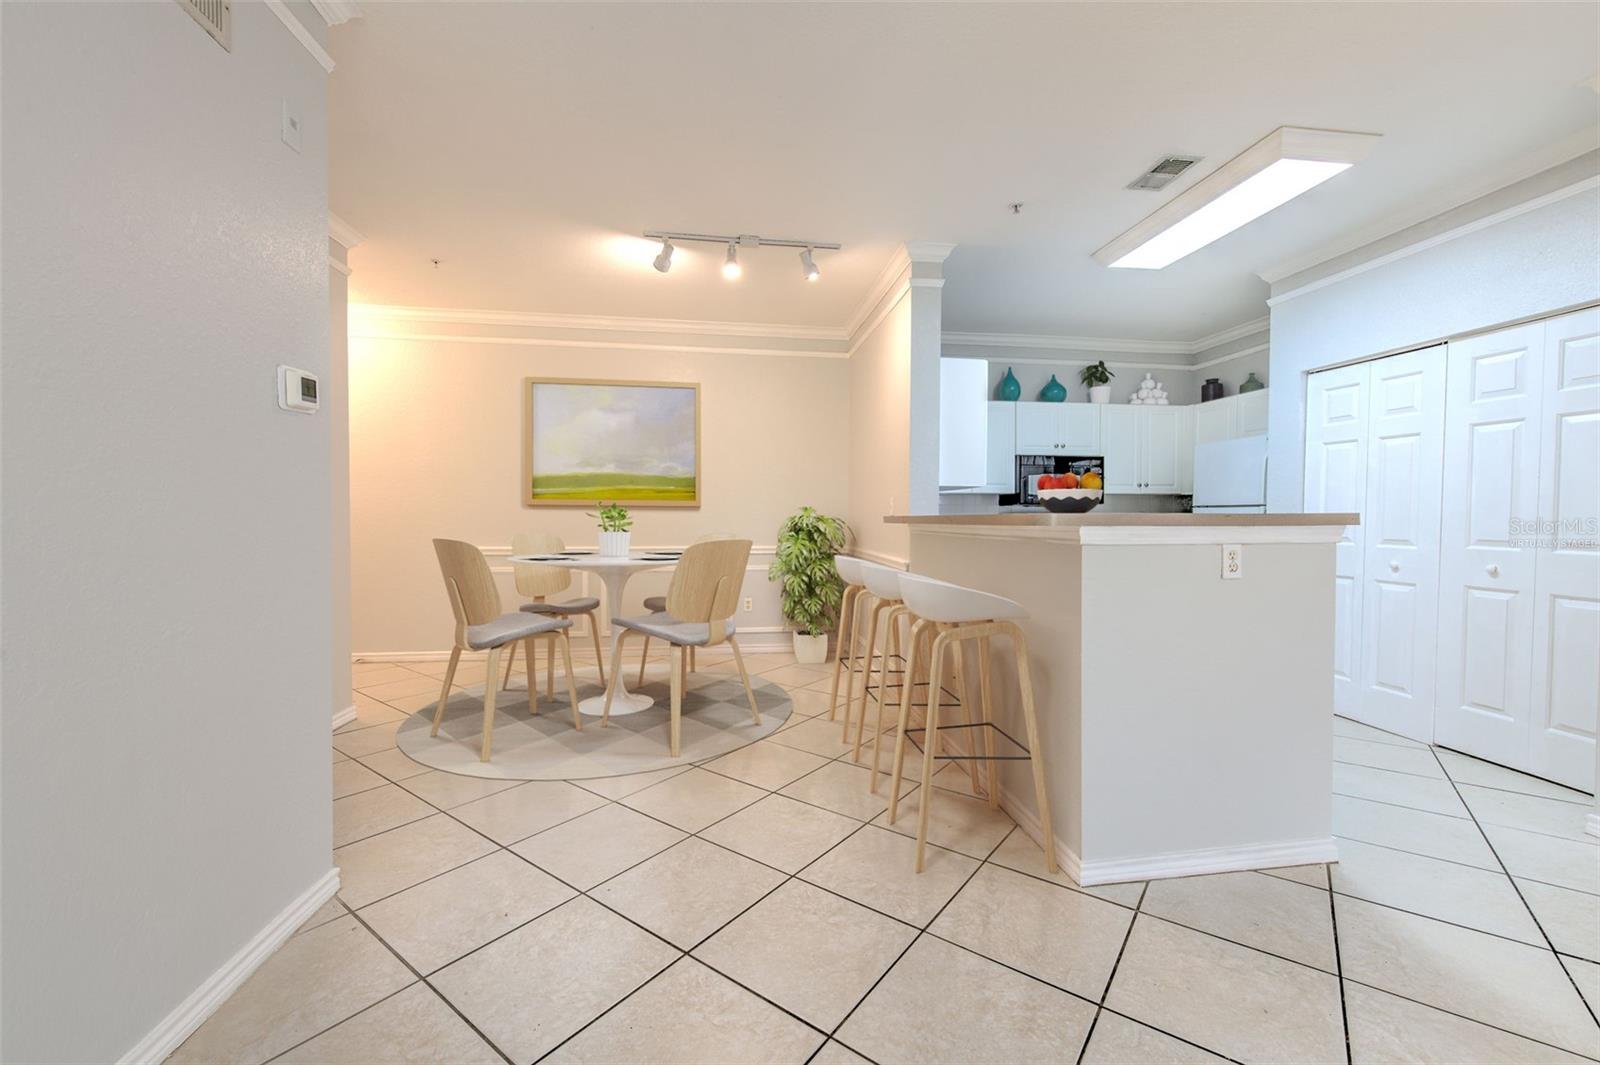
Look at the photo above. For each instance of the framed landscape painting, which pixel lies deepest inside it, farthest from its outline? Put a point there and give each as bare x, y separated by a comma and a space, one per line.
630, 442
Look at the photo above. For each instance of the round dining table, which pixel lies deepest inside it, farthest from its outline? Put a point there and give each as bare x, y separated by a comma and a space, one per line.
613, 571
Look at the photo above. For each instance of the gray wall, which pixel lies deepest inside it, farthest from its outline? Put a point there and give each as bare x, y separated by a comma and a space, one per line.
164, 777
1539, 261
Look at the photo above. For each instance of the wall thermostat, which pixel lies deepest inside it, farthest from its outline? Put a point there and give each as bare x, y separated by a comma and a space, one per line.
298, 390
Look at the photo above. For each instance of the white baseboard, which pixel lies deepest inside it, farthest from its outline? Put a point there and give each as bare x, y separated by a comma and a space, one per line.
1591, 824
1175, 863
204, 1000
344, 717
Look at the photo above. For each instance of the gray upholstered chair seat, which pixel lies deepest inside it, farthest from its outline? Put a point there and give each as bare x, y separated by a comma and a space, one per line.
571, 606
656, 604
665, 627
507, 627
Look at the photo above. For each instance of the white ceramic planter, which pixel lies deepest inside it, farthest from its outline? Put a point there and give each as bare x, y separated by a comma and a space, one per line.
811, 650
1100, 394
614, 544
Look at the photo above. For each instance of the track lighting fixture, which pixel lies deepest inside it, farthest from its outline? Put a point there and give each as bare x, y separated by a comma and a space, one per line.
731, 268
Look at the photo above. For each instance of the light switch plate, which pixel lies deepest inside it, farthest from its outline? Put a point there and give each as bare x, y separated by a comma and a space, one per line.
1232, 562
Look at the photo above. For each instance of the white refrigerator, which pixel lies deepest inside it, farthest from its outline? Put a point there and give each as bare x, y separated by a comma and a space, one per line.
1230, 476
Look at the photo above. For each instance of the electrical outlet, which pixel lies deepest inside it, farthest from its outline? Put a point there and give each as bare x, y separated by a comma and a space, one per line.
749, 604
1232, 562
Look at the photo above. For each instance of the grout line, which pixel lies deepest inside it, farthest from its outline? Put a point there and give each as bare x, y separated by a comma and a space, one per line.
1338, 965
1518, 889
1112, 975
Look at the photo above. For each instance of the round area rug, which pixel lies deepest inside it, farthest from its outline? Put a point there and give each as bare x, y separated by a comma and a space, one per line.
715, 720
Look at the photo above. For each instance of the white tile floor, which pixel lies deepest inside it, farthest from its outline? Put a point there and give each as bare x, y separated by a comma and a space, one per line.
758, 909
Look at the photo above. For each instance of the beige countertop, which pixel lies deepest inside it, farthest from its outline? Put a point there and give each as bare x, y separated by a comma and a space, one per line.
1101, 519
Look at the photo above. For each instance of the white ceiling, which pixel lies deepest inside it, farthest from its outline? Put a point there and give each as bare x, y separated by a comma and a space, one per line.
526, 145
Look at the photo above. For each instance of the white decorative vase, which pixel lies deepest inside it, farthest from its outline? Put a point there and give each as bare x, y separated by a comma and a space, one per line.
614, 545
1100, 394
811, 650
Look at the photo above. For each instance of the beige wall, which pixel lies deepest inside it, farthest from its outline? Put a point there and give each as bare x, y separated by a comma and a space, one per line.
880, 434
436, 450
336, 404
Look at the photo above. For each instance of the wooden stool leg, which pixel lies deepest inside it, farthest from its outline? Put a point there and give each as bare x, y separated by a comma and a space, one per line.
644, 656
488, 703
906, 679
986, 708
530, 655
866, 674
921, 633
931, 737
1035, 752
572, 685
599, 655
843, 649
511, 658
969, 737
444, 693
675, 667
890, 646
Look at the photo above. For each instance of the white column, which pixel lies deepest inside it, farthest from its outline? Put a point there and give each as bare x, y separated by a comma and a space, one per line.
336, 405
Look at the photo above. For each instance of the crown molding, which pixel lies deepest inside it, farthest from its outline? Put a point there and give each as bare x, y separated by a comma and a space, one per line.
927, 251
595, 323
342, 232
1458, 195
1243, 329
1060, 343
337, 12
301, 34
1408, 250
1241, 353
893, 271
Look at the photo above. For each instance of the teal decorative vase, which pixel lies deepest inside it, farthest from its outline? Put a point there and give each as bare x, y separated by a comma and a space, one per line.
1251, 384
1054, 392
1009, 388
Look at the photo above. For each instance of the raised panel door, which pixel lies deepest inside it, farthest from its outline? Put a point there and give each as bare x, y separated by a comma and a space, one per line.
1120, 430
1336, 482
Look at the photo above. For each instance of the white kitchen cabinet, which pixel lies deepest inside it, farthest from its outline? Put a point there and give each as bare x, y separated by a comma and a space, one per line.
1002, 452
963, 422
1216, 420
1058, 428
1250, 413
1148, 450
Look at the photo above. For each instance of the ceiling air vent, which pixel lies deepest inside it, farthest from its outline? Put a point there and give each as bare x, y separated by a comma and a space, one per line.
215, 17
1163, 173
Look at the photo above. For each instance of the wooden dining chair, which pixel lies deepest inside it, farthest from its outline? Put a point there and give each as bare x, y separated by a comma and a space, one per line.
701, 599
538, 583
481, 626
657, 604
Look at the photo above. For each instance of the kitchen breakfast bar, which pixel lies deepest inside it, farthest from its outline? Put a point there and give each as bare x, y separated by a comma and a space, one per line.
1182, 667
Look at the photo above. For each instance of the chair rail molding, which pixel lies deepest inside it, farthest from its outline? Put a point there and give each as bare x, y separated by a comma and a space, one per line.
205, 999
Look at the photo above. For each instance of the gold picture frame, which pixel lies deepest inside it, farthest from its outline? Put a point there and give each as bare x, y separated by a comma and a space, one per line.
586, 441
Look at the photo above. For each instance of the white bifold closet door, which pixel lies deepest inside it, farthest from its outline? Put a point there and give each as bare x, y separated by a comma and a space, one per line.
1336, 482
1519, 667
1374, 444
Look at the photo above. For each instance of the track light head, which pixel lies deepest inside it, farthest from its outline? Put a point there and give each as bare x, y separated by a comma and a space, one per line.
663, 261
808, 266
730, 265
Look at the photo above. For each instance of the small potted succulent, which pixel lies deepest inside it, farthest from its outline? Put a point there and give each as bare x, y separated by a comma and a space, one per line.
1097, 378
811, 588
614, 526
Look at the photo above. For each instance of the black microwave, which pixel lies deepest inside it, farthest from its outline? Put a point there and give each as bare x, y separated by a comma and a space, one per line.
1031, 467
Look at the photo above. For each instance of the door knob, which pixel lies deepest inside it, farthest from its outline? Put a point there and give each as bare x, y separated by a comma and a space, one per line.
1394, 567
1493, 571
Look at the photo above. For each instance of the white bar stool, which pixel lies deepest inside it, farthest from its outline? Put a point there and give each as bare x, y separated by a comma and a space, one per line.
961, 614
849, 570
883, 595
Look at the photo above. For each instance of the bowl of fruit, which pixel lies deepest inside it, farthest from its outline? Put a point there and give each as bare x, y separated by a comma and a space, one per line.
1067, 493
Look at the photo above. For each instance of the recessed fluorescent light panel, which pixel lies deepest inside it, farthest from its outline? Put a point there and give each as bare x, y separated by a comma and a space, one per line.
1266, 175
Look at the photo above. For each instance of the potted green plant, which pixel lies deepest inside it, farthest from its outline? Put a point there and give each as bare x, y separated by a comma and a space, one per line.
614, 525
811, 588
1097, 378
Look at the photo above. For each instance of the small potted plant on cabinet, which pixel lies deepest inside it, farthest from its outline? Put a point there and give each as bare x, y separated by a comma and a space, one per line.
811, 588
1097, 378
614, 526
